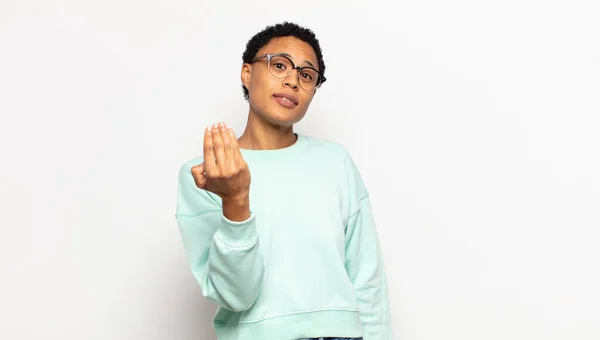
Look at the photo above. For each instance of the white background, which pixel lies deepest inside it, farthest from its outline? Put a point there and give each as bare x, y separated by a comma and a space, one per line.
475, 125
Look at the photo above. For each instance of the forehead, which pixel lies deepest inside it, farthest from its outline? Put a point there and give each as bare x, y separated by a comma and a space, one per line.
299, 50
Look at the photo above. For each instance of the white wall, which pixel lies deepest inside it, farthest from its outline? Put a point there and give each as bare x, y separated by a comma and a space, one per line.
475, 125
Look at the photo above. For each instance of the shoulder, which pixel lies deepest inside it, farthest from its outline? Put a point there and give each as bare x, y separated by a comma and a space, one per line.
338, 157
327, 148
333, 154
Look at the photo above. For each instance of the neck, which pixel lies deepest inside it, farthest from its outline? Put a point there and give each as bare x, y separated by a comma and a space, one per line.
262, 135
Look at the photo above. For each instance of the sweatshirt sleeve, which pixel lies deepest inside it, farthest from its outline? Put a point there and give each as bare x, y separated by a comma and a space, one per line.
364, 261
223, 254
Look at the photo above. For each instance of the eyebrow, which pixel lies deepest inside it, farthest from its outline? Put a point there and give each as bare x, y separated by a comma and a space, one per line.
306, 61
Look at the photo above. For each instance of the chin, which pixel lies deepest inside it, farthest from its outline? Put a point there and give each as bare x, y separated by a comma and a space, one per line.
285, 117
278, 115
289, 116
285, 120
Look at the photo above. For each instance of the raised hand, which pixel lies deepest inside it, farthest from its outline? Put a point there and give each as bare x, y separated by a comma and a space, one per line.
224, 171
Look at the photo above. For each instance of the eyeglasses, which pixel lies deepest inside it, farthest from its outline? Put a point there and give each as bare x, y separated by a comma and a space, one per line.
280, 66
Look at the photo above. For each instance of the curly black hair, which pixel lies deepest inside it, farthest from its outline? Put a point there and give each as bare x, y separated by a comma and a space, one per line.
285, 29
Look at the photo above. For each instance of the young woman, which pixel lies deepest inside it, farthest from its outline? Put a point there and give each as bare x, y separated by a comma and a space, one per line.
277, 226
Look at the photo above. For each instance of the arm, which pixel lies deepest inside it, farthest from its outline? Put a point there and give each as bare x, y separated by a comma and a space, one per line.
364, 262
223, 254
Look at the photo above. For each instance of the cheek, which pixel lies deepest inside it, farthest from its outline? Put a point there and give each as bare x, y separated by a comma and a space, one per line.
260, 87
259, 95
307, 100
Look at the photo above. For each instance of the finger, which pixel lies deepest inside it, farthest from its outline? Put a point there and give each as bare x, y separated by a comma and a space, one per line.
235, 147
218, 146
209, 154
227, 143
199, 176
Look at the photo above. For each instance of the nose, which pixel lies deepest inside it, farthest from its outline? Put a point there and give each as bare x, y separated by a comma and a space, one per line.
292, 79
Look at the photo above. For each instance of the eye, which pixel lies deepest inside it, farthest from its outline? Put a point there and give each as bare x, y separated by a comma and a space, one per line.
306, 76
280, 66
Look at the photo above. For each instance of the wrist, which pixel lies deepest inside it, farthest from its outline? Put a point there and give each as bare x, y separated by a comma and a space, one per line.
237, 199
237, 208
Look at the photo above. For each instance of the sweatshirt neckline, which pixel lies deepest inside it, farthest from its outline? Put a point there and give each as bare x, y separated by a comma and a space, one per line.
276, 153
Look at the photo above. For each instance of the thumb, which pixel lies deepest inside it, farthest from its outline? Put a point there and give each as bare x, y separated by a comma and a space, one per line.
199, 175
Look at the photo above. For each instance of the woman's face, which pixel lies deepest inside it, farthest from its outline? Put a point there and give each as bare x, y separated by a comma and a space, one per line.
281, 102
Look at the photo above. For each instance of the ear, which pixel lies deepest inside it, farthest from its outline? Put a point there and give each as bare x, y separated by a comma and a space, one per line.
246, 75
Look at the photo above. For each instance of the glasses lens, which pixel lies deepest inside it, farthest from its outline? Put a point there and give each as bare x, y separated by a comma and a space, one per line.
308, 78
280, 67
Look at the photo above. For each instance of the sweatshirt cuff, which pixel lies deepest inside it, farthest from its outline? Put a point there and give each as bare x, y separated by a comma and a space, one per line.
238, 233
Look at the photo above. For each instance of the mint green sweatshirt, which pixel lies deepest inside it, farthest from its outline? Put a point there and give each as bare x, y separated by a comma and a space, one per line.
307, 263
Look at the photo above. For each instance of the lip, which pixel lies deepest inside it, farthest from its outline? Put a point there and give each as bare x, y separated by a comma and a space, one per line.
289, 97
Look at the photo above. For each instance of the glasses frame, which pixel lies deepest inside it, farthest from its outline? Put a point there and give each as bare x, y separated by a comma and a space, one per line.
320, 81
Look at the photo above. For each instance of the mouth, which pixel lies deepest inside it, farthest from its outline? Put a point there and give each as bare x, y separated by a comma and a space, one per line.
286, 100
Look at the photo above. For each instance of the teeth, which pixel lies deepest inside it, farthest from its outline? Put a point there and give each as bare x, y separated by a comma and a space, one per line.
286, 99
